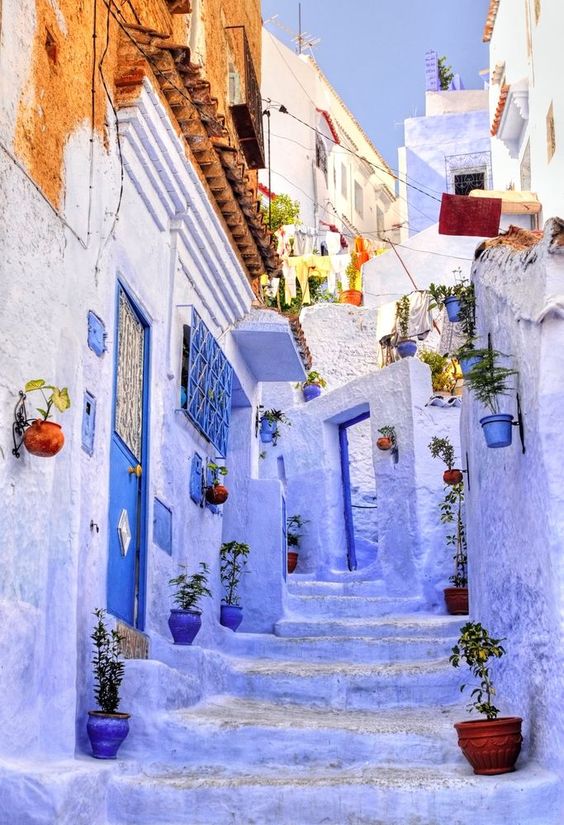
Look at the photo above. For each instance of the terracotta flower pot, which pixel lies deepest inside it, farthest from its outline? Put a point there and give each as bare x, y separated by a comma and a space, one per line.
384, 443
491, 745
44, 438
351, 296
452, 476
292, 561
456, 600
217, 494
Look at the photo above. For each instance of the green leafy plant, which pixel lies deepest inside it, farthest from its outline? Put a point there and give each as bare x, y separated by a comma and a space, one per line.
314, 378
442, 375
443, 449
352, 274
190, 588
402, 316
59, 398
216, 470
275, 417
446, 74
283, 211
294, 525
451, 513
487, 380
107, 664
388, 432
233, 556
476, 647
463, 290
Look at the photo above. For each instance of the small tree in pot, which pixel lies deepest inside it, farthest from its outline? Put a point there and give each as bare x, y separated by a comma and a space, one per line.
456, 597
185, 619
488, 382
313, 385
234, 557
405, 346
106, 727
443, 449
491, 745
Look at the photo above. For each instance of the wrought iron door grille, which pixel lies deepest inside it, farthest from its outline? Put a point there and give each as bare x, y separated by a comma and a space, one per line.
207, 378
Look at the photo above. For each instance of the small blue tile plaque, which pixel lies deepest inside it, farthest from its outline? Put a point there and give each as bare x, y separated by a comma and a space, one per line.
96, 334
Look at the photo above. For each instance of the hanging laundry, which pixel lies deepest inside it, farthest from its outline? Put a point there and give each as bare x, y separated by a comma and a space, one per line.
305, 240
333, 242
420, 316
361, 251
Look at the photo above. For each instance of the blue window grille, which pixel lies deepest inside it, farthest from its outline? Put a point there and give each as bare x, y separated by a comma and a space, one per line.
207, 379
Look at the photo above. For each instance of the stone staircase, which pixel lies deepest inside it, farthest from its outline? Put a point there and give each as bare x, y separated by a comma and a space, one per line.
343, 717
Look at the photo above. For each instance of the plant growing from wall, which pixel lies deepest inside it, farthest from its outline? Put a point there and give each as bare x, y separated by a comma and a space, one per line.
314, 378
190, 588
107, 664
42, 437
446, 74
451, 513
233, 556
442, 375
269, 425
476, 648
283, 211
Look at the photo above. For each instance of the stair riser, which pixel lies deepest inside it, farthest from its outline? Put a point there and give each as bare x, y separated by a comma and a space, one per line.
339, 804
295, 628
350, 607
359, 588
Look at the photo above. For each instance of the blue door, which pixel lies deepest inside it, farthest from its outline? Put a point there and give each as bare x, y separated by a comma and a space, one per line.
346, 479
128, 468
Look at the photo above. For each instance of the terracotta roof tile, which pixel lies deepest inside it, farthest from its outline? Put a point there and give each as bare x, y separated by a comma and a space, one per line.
501, 103
490, 20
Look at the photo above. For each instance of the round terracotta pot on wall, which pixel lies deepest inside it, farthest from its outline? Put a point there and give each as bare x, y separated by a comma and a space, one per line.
44, 438
452, 476
217, 494
456, 600
491, 745
384, 443
351, 296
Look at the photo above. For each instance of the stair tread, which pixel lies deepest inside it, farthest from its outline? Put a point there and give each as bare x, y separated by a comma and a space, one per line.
299, 667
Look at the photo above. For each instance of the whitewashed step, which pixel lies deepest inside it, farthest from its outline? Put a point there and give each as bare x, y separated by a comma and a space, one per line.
345, 649
353, 607
420, 624
369, 795
353, 587
346, 684
260, 733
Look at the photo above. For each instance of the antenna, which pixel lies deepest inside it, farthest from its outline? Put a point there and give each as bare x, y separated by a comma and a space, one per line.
302, 40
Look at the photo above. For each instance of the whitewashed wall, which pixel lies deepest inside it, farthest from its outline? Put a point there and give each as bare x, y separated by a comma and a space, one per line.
516, 502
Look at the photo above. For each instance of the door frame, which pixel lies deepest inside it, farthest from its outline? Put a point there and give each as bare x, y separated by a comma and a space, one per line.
346, 479
121, 286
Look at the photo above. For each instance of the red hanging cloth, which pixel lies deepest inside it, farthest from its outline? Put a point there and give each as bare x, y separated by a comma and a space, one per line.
462, 215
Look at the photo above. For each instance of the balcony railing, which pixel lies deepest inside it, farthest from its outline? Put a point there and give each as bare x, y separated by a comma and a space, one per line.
244, 98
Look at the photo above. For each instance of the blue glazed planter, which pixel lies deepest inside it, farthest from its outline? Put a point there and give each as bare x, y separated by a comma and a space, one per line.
406, 348
311, 391
106, 732
498, 429
231, 616
452, 305
184, 625
466, 364
267, 430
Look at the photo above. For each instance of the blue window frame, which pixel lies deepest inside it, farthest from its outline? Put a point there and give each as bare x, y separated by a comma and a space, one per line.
207, 379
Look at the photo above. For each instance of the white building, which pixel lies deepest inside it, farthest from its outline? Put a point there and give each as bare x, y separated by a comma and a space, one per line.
526, 100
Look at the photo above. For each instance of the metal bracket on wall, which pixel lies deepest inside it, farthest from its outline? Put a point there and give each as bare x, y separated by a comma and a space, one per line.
19, 424
467, 471
520, 423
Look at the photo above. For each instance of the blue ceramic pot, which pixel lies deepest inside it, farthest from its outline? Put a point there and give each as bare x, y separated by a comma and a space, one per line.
311, 391
267, 430
406, 348
106, 732
452, 305
184, 625
231, 616
498, 429
466, 364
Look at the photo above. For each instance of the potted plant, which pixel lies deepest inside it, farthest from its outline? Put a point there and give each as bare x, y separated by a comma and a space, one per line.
185, 619
443, 449
452, 297
312, 385
293, 537
233, 556
488, 382
353, 294
456, 597
42, 437
467, 356
106, 727
387, 441
405, 346
216, 492
443, 378
491, 745
269, 421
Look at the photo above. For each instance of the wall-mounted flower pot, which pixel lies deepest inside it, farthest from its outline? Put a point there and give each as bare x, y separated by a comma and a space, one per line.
491, 745
452, 476
217, 494
231, 616
498, 429
452, 305
267, 430
311, 391
466, 364
106, 732
292, 561
384, 443
351, 296
184, 625
456, 600
44, 438
406, 348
